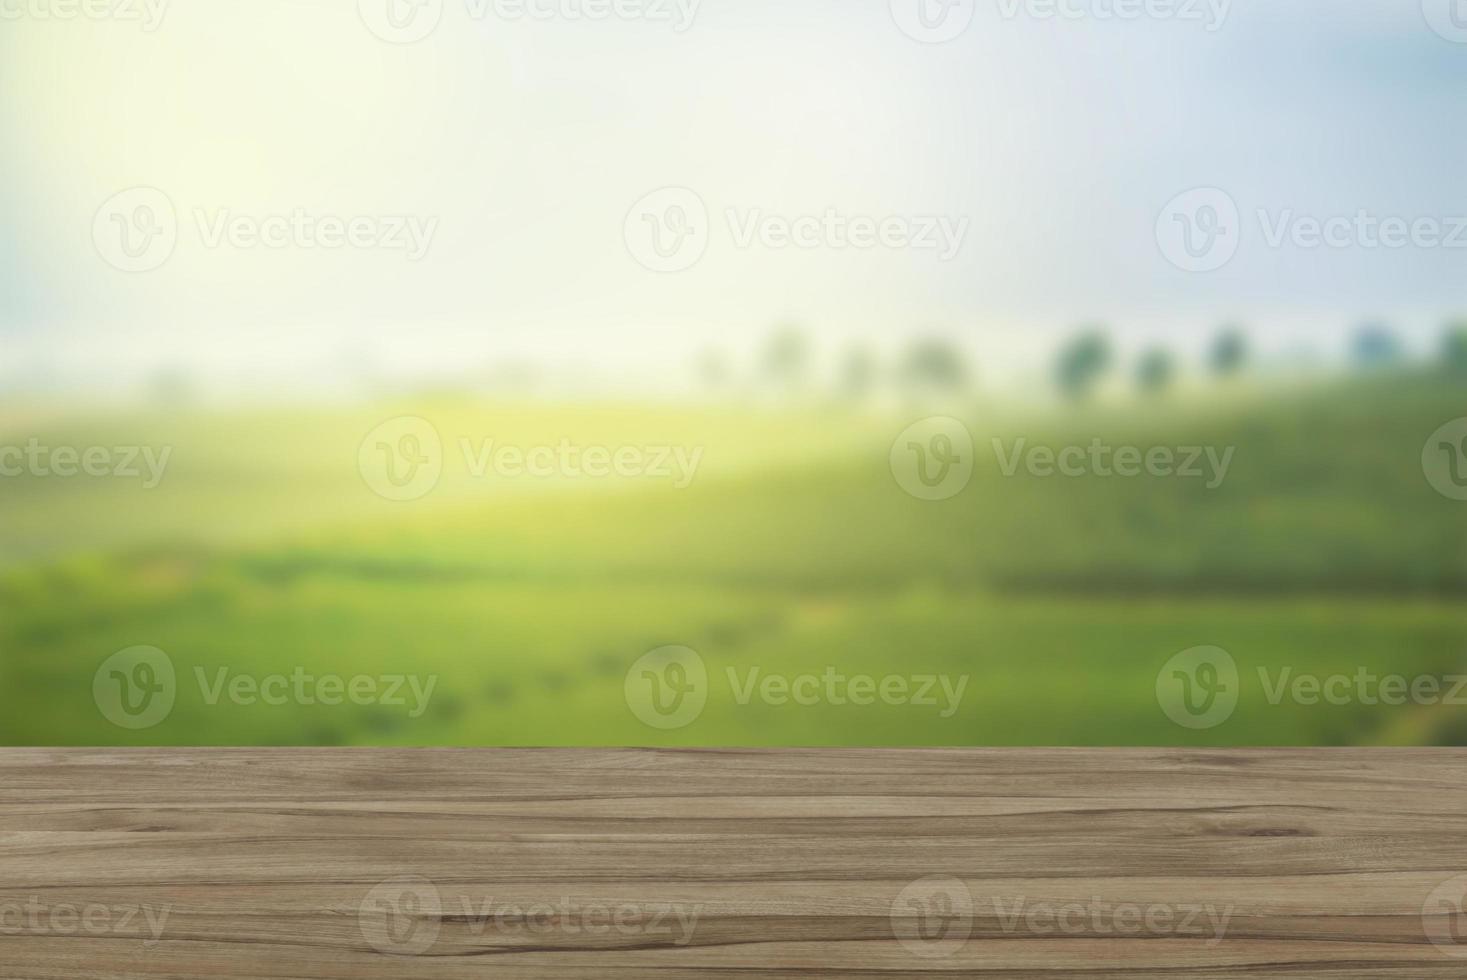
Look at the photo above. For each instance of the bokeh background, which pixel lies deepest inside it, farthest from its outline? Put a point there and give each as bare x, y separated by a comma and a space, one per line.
267, 545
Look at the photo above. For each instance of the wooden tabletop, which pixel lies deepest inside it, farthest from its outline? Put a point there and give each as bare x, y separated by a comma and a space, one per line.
661, 864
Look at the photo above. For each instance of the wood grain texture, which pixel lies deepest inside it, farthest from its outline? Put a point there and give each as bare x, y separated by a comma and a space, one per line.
751, 864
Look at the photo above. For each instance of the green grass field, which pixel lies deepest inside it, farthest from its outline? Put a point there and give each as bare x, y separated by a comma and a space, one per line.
1057, 600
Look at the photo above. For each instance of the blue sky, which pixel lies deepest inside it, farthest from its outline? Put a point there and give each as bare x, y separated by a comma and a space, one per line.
1060, 141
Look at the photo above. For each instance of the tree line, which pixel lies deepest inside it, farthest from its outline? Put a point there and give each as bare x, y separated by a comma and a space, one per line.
936, 366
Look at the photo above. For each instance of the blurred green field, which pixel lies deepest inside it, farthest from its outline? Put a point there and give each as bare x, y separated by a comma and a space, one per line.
793, 551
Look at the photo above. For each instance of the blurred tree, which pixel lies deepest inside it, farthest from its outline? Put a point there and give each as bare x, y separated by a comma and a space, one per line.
1082, 362
858, 374
933, 367
1229, 353
1155, 371
1454, 347
1377, 347
713, 369
786, 361
172, 386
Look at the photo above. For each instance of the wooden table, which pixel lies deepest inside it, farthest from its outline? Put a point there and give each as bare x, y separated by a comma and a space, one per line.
752, 864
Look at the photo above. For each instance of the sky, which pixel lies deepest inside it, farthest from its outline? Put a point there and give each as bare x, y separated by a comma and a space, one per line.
521, 149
